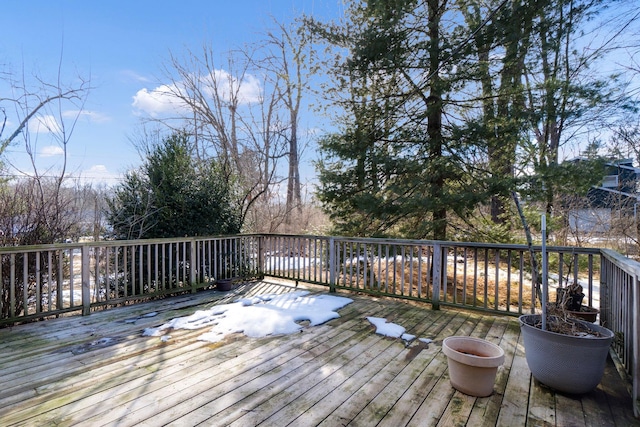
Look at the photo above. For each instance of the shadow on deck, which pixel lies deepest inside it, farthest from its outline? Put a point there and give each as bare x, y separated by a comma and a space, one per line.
100, 370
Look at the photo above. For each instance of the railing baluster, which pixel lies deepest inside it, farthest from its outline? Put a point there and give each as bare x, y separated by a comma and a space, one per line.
590, 278
59, 280
496, 285
475, 276
486, 279
379, 265
38, 296
12, 286
386, 268
131, 254
116, 271
437, 275
445, 279
184, 259
193, 264
156, 267
403, 264
72, 275
49, 280
25, 283
85, 275
561, 270
509, 260
454, 282
464, 277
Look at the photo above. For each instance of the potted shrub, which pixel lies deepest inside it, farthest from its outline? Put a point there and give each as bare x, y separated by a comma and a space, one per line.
569, 355
569, 300
564, 353
234, 265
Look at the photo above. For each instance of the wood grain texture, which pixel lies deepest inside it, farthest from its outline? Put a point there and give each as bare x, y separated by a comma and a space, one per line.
100, 370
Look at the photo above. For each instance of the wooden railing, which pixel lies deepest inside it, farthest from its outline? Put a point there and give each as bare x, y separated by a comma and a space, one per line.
49, 280
620, 308
38, 282
489, 277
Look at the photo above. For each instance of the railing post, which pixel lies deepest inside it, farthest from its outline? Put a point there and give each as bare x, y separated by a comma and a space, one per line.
635, 327
86, 280
437, 275
260, 266
603, 290
193, 266
332, 265
12, 286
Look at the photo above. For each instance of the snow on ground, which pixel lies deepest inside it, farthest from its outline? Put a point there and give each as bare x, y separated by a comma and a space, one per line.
386, 328
271, 315
393, 330
291, 262
258, 316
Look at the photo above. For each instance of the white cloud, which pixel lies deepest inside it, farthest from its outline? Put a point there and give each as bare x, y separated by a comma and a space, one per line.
132, 75
159, 101
247, 90
51, 151
44, 124
100, 174
92, 116
163, 101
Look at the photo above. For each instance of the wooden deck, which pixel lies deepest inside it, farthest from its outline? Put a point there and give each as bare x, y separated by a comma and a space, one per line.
100, 370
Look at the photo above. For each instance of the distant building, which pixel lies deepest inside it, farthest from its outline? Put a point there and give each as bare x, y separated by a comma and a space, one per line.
619, 186
617, 196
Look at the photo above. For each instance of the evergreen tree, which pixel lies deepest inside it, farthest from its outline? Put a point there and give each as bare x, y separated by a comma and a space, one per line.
393, 169
500, 34
451, 105
174, 195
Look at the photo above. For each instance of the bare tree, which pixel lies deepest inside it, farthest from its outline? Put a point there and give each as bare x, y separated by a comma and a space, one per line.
45, 99
54, 108
234, 115
38, 205
243, 107
287, 59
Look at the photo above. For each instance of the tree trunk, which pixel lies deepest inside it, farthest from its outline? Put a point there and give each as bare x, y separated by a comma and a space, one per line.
434, 121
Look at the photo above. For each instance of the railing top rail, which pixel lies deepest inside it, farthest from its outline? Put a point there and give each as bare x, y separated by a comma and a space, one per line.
626, 264
512, 246
39, 248
501, 246
111, 243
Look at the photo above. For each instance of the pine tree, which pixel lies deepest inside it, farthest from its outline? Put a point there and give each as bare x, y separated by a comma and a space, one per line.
174, 195
393, 169
450, 106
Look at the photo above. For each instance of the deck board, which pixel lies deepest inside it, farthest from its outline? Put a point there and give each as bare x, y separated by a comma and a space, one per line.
100, 370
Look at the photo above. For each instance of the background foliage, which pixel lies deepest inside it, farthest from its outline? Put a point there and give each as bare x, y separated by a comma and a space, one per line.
174, 194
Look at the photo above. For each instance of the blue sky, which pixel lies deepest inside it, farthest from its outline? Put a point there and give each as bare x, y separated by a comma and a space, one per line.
121, 46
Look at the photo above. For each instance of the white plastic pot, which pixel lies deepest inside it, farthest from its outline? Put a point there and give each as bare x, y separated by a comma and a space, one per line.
473, 364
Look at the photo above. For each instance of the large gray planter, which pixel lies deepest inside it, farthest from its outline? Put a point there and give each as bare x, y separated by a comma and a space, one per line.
565, 363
